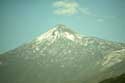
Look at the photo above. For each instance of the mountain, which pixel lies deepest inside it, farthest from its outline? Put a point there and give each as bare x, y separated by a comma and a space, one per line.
118, 79
63, 56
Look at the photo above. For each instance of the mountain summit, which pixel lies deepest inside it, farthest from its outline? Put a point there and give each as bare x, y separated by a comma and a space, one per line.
60, 31
62, 56
61, 27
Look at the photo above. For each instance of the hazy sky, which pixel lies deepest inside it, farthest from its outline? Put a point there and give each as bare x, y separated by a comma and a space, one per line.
23, 20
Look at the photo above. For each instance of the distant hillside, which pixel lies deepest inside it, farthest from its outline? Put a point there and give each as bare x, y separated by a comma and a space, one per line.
118, 79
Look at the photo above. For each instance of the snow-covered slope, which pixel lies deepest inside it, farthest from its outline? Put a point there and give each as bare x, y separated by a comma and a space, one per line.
60, 56
113, 58
59, 31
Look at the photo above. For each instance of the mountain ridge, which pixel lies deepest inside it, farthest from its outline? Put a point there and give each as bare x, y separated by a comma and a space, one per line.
62, 55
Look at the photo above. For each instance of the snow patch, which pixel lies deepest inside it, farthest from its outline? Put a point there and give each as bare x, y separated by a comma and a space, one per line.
69, 51
79, 36
111, 60
34, 51
86, 43
47, 35
37, 49
69, 36
123, 50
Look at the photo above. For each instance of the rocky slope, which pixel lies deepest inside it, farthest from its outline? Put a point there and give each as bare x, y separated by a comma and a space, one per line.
62, 56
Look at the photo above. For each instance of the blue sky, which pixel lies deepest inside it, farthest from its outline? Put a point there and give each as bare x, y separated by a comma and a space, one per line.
23, 20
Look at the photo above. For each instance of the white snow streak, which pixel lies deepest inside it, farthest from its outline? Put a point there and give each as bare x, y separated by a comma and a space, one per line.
69, 36
113, 58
